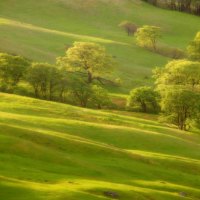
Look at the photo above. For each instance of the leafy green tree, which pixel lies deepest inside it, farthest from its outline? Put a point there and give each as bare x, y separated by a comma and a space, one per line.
180, 105
193, 49
88, 59
44, 78
100, 97
129, 27
143, 97
81, 92
147, 36
179, 72
179, 86
12, 69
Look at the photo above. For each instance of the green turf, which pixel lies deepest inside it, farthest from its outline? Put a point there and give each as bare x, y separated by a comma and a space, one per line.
55, 151
41, 31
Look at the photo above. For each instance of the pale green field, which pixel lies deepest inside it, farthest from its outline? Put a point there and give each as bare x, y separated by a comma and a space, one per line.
52, 151
41, 30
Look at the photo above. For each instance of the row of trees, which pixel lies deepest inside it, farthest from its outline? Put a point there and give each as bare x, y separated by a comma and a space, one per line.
191, 6
177, 91
77, 77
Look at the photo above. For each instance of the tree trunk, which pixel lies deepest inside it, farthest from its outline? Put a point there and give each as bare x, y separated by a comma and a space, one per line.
90, 77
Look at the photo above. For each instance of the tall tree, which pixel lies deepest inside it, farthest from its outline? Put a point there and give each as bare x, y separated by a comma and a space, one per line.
89, 59
179, 86
180, 104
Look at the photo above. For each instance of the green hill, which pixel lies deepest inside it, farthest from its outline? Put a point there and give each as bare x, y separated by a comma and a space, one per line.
55, 151
42, 30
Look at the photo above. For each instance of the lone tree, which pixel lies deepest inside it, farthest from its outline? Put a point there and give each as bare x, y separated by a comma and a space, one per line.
178, 84
144, 97
147, 36
89, 59
193, 49
129, 27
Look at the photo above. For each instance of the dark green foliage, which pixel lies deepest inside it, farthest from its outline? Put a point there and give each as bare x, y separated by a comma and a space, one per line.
44, 78
12, 70
144, 97
100, 97
178, 84
181, 105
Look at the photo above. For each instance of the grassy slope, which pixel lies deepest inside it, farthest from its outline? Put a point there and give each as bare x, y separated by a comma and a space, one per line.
41, 31
54, 151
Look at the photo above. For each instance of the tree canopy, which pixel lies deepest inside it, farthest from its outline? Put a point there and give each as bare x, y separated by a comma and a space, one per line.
145, 97
147, 36
12, 69
193, 49
88, 58
179, 86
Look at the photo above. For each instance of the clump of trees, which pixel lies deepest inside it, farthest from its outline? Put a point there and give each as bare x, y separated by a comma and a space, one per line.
190, 6
78, 77
177, 92
129, 27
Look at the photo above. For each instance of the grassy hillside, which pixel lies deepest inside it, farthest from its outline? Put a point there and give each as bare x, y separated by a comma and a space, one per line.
42, 30
54, 151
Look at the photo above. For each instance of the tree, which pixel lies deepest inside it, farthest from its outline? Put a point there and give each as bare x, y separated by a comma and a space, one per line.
193, 49
87, 59
147, 36
12, 69
129, 27
100, 96
144, 97
44, 78
81, 92
63, 83
180, 104
179, 72
178, 84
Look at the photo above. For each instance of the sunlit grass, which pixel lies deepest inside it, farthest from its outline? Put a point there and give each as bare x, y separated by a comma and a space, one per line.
57, 151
